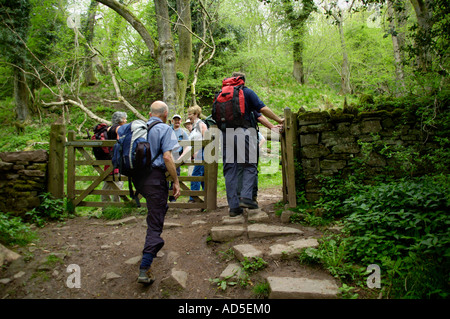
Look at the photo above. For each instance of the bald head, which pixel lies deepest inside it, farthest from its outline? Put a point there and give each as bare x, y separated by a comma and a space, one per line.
159, 109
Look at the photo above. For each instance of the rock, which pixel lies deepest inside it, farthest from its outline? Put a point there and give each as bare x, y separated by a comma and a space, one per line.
263, 230
291, 248
198, 222
7, 255
110, 275
224, 233
133, 260
123, 221
168, 225
176, 281
5, 281
286, 216
257, 215
25, 156
227, 220
301, 288
19, 274
246, 250
233, 271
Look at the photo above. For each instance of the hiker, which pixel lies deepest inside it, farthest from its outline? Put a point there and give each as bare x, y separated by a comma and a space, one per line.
154, 188
261, 140
181, 135
188, 125
118, 119
243, 155
197, 134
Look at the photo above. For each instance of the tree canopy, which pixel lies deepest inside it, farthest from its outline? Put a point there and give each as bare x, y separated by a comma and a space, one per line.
180, 50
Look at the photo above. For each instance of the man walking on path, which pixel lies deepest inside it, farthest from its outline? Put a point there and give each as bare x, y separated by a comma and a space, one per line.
154, 188
240, 149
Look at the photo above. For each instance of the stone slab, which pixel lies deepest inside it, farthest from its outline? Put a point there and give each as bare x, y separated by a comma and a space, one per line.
228, 232
263, 230
233, 271
176, 281
257, 215
246, 250
292, 247
301, 288
227, 220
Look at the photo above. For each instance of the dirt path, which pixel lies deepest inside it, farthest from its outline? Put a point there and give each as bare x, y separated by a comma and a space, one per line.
104, 255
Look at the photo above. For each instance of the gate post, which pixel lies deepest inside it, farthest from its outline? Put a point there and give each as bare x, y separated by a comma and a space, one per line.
71, 172
211, 169
55, 184
288, 158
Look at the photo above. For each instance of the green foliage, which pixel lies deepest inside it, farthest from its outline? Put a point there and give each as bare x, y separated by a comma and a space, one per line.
252, 265
401, 225
113, 212
393, 219
50, 209
261, 290
13, 231
333, 254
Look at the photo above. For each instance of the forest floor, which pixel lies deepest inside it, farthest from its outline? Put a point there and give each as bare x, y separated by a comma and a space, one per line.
108, 258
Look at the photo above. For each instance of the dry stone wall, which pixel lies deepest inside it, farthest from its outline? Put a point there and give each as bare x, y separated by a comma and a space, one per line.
335, 143
23, 177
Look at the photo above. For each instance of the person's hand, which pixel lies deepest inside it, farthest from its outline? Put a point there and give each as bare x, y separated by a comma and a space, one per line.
277, 128
176, 189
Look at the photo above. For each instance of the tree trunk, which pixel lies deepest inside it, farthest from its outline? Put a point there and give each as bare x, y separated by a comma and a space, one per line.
298, 59
396, 44
166, 54
21, 95
345, 73
185, 55
424, 14
297, 23
89, 75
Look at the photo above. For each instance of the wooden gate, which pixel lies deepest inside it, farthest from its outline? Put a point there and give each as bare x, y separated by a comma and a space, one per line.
78, 156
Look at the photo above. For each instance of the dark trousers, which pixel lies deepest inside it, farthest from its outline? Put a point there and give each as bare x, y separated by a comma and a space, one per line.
155, 190
239, 149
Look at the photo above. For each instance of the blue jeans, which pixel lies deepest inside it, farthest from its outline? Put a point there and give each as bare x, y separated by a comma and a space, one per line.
199, 170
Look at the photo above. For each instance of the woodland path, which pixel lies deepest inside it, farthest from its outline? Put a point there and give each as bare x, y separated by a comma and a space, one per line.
199, 246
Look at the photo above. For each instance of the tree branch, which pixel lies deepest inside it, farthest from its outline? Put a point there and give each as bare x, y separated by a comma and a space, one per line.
134, 21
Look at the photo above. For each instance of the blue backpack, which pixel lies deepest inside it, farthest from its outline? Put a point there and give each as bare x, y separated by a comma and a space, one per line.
131, 153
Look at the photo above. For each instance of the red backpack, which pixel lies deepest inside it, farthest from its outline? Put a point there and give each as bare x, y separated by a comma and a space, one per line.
100, 133
228, 108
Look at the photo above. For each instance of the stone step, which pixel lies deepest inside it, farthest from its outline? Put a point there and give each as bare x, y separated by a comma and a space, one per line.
263, 230
228, 232
246, 251
302, 288
292, 248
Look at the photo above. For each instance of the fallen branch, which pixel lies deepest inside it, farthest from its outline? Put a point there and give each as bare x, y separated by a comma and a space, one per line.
120, 97
81, 106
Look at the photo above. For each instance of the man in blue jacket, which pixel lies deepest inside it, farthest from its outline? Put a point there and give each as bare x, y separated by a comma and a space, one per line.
154, 186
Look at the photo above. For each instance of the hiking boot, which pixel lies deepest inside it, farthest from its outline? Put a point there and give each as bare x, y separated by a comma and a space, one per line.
248, 203
146, 276
236, 211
